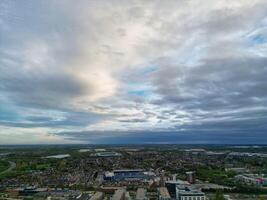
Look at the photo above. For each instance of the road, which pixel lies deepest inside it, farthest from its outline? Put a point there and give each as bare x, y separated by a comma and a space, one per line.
12, 165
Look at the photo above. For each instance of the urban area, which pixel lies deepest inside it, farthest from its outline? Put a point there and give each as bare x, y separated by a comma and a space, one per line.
150, 172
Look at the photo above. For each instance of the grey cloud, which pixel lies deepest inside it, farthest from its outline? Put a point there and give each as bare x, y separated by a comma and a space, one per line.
200, 67
41, 89
136, 120
69, 119
168, 137
215, 82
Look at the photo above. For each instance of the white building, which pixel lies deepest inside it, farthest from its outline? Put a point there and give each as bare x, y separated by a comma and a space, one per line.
187, 193
252, 179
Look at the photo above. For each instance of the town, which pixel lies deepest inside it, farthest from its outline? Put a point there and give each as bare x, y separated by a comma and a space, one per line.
162, 172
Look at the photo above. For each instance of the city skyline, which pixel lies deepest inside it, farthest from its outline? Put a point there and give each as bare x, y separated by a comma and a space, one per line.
133, 72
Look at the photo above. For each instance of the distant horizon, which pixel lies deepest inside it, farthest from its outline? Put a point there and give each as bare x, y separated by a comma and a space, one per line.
132, 144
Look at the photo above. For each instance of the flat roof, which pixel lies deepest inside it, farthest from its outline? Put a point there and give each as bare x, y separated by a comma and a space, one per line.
191, 193
178, 182
107, 154
128, 170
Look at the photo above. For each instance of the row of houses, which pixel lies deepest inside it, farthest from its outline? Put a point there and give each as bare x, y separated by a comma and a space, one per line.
252, 179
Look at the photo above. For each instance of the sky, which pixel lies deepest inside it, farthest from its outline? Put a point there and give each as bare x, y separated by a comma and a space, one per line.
139, 72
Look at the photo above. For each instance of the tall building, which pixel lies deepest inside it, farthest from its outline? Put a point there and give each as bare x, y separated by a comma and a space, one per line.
171, 186
191, 177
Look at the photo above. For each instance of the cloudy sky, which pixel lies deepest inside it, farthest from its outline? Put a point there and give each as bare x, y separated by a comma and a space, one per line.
121, 71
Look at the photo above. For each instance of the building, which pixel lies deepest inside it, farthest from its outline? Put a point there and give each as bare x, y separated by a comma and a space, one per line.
237, 169
108, 176
129, 174
107, 154
164, 194
28, 191
141, 194
119, 194
171, 186
109, 189
191, 177
188, 193
252, 179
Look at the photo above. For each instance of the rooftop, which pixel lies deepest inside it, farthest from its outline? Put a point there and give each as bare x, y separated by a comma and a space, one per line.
97, 195
118, 194
163, 192
141, 193
128, 170
178, 182
189, 191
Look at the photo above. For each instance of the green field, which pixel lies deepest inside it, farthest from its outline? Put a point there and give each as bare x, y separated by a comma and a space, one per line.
4, 165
